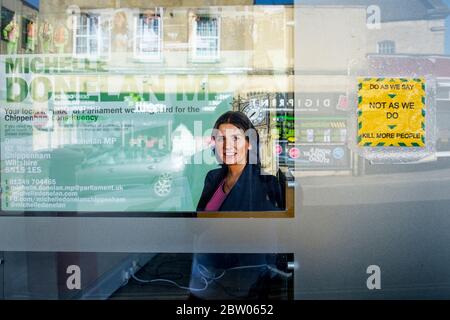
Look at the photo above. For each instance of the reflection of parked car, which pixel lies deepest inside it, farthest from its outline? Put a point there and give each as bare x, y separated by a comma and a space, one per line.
131, 168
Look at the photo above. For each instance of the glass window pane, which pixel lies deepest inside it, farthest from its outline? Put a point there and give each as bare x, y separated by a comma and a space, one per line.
327, 122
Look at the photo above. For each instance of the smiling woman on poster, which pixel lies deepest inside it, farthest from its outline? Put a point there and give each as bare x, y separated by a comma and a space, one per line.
240, 184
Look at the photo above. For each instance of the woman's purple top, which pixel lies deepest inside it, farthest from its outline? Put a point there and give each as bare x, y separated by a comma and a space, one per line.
217, 198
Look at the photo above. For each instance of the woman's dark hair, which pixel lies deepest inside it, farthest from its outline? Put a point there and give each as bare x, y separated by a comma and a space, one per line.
241, 121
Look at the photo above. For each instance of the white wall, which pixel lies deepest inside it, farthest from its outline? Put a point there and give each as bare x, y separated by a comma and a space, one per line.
329, 38
411, 37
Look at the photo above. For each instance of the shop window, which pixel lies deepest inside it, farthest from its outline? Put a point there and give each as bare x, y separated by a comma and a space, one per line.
6, 17
386, 47
148, 35
206, 38
24, 29
34, 4
92, 36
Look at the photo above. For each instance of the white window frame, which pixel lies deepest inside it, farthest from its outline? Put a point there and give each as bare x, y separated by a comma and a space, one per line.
138, 37
386, 47
194, 55
99, 37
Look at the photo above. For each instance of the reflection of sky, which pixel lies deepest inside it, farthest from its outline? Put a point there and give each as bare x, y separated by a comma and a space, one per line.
34, 3
447, 32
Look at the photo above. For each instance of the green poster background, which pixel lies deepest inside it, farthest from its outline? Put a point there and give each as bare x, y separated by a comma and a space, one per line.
73, 157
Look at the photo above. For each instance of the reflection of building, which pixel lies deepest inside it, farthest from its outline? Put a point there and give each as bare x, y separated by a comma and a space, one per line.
25, 13
377, 37
436, 66
400, 29
123, 81
165, 48
178, 34
397, 27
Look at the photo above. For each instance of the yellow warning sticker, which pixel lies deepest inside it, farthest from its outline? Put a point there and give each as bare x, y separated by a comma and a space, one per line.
391, 112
